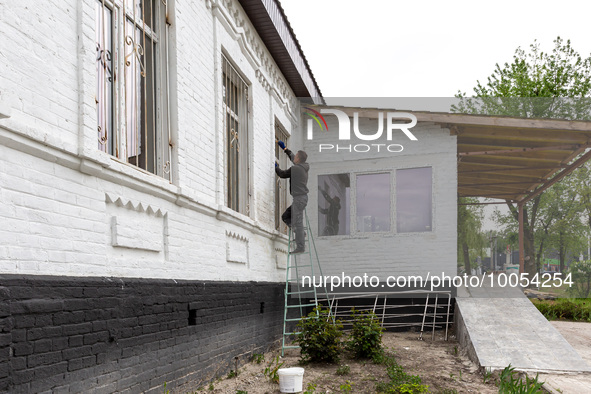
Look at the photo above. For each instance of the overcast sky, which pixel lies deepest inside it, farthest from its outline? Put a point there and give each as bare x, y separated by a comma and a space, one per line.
388, 48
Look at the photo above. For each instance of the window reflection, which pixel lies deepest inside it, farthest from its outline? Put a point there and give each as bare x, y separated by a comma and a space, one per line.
373, 202
413, 200
333, 204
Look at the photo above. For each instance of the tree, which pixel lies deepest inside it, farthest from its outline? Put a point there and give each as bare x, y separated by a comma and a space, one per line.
536, 84
581, 276
470, 237
566, 231
583, 188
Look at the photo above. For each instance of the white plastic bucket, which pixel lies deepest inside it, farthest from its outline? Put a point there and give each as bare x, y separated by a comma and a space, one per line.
291, 379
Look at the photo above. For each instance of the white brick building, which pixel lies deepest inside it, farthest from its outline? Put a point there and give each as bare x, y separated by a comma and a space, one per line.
58, 185
137, 153
141, 234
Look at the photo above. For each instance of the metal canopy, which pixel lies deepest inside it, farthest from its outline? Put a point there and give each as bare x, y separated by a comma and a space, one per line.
514, 159
507, 158
515, 162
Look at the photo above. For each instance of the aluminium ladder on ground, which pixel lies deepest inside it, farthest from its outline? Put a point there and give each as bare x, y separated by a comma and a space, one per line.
298, 266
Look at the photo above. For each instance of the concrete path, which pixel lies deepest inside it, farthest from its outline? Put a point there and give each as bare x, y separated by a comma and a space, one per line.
501, 327
578, 334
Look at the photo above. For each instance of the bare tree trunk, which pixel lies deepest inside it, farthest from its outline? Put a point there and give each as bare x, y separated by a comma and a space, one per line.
466, 257
561, 251
530, 265
529, 252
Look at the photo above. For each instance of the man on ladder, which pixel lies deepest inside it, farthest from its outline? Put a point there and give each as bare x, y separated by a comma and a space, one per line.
298, 188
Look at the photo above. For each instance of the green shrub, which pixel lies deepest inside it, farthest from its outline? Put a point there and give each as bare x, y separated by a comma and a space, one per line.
258, 358
400, 381
581, 276
271, 371
577, 309
319, 337
365, 340
343, 370
511, 383
347, 387
383, 359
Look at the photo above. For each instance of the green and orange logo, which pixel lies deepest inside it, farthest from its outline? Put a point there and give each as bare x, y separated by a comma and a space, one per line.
315, 115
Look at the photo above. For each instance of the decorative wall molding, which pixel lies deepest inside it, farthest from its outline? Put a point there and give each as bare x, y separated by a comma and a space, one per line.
267, 71
136, 225
236, 248
134, 206
280, 256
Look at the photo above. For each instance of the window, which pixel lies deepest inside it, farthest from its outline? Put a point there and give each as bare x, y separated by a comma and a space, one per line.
281, 187
333, 204
235, 109
132, 82
373, 202
413, 200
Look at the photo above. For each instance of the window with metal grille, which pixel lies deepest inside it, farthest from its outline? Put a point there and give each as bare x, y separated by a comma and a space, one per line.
235, 110
281, 187
132, 82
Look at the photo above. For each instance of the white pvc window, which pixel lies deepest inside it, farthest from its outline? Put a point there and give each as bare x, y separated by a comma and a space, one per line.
333, 204
373, 203
414, 200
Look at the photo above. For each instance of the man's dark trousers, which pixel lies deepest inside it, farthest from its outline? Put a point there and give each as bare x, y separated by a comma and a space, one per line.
294, 217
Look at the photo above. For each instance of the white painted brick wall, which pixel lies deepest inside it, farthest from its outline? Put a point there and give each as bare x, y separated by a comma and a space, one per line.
39, 69
57, 208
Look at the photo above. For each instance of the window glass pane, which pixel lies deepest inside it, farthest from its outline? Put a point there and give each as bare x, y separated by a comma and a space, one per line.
333, 204
413, 200
373, 202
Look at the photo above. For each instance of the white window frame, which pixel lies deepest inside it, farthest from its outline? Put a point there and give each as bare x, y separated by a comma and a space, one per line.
355, 230
432, 197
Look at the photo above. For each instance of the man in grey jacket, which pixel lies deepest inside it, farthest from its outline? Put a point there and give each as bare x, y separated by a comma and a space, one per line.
298, 188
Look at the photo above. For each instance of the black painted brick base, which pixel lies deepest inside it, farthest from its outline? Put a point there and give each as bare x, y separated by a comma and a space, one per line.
71, 334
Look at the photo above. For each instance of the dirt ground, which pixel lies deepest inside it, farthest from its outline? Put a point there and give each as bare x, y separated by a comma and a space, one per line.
440, 364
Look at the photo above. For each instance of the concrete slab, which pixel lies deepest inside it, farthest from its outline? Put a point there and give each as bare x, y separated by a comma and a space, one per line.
578, 334
499, 327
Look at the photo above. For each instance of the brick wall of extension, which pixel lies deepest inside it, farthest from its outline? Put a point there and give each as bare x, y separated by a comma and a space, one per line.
63, 334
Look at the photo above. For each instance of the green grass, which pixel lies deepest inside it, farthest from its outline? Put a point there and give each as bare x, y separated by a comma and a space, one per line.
575, 309
511, 383
560, 292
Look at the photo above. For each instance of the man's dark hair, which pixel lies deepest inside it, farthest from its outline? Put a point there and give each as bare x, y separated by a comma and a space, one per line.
303, 156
